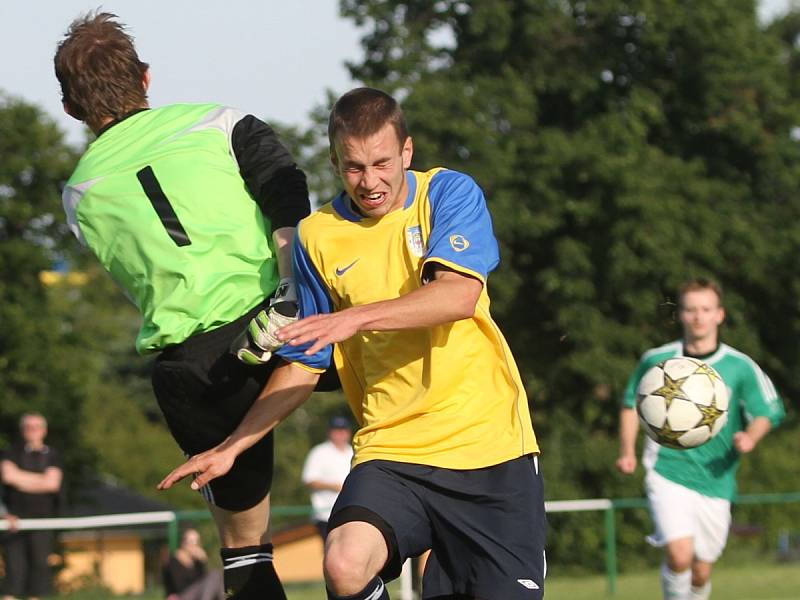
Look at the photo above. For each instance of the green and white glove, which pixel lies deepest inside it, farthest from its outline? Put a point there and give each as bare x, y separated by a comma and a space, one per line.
255, 345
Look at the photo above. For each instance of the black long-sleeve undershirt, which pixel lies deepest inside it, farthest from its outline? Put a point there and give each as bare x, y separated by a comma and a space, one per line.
270, 173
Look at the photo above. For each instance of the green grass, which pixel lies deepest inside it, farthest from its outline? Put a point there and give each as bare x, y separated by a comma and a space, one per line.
759, 581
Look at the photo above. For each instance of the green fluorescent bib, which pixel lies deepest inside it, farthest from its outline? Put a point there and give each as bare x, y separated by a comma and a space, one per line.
160, 201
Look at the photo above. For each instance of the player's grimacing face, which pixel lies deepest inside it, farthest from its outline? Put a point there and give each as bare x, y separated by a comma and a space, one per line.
701, 314
373, 170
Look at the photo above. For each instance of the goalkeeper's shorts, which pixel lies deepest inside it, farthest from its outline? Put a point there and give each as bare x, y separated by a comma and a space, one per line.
204, 392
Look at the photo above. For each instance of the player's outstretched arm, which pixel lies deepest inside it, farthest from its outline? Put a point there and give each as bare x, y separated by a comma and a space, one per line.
628, 431
449, 297
288, 387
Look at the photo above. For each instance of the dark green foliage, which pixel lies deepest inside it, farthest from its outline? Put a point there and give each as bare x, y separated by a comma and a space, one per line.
623, 147
66, 350
40, 367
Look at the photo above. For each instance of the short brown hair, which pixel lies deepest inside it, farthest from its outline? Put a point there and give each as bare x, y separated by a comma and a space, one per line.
699, 283
99, 71
363, 112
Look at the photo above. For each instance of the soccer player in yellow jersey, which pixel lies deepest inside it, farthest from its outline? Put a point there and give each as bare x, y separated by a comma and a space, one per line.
391, 278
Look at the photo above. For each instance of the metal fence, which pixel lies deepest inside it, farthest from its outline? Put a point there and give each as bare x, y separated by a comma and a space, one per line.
173, 520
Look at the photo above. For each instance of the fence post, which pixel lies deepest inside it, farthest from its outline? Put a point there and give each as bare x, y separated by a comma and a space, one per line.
611, 549
172, 534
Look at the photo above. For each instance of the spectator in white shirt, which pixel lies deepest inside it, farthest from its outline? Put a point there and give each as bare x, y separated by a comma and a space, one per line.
326, 468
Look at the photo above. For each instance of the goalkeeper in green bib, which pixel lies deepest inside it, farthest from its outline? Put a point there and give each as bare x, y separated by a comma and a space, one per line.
690, 491
192, 209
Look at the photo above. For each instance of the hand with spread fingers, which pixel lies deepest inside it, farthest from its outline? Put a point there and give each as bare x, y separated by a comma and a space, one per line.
205, 466
320, 330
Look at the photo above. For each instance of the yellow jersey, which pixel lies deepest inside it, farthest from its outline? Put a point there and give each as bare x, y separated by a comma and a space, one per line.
446, 396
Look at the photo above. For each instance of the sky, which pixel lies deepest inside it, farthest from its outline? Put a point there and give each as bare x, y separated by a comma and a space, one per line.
272, 58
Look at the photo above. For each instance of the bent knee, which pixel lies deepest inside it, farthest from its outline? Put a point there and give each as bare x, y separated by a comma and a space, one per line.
680, 555
679, 563
347, 569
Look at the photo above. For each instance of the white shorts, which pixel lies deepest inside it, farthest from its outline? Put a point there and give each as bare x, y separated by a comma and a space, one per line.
679, 512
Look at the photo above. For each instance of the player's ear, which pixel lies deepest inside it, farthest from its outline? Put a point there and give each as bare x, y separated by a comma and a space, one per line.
334, 159
407, 152
721, 316
146, 80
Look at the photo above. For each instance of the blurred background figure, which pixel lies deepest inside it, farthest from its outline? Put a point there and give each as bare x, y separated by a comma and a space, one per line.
326, 468
31, 474
13, 520
187, 576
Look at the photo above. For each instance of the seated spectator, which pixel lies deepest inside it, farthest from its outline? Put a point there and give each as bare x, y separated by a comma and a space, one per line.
186, 575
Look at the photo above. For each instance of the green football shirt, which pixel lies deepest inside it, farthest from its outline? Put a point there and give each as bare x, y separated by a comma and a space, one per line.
710, 469
160, 200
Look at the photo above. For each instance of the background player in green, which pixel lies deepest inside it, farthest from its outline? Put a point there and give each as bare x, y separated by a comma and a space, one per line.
690, 491
191, 208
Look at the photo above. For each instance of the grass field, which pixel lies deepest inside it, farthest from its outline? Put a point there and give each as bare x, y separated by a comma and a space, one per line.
761, 581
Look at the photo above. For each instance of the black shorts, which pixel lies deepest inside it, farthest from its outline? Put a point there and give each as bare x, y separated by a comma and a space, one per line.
204, 392
486, 527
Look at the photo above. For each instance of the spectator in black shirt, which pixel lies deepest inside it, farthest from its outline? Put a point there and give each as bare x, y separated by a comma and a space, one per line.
31, 473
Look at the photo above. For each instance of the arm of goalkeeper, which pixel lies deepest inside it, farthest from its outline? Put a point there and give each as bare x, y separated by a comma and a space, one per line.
255, 345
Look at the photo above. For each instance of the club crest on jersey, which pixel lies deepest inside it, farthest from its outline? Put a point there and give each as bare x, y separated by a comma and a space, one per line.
414, 240
459, 243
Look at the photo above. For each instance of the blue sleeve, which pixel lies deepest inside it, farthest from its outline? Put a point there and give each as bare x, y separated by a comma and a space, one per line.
313, 299
461, 234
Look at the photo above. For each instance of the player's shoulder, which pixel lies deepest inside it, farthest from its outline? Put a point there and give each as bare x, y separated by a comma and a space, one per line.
442, 179
662, 352
447, 189
737, 357
172, 119
190, 107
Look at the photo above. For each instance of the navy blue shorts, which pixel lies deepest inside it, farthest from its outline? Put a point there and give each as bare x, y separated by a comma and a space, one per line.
486, 527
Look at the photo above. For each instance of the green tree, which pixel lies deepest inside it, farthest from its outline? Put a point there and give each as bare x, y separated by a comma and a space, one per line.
66, 343
41, 367
623, 147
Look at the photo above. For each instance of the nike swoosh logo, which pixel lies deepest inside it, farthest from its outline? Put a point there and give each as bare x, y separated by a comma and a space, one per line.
343, 270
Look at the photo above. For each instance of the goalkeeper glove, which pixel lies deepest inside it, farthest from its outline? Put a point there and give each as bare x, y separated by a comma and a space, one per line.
255, 345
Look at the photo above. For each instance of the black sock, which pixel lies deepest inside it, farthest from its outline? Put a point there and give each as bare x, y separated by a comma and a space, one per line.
374, 590
249, 574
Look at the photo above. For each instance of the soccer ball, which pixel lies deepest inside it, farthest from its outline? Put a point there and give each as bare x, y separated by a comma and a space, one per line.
682, 402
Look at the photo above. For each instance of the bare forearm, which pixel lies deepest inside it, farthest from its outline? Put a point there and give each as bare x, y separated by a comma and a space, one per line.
628, 431
758, 428
288, 387
450, 297
445, 300
36, 483
283, 239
